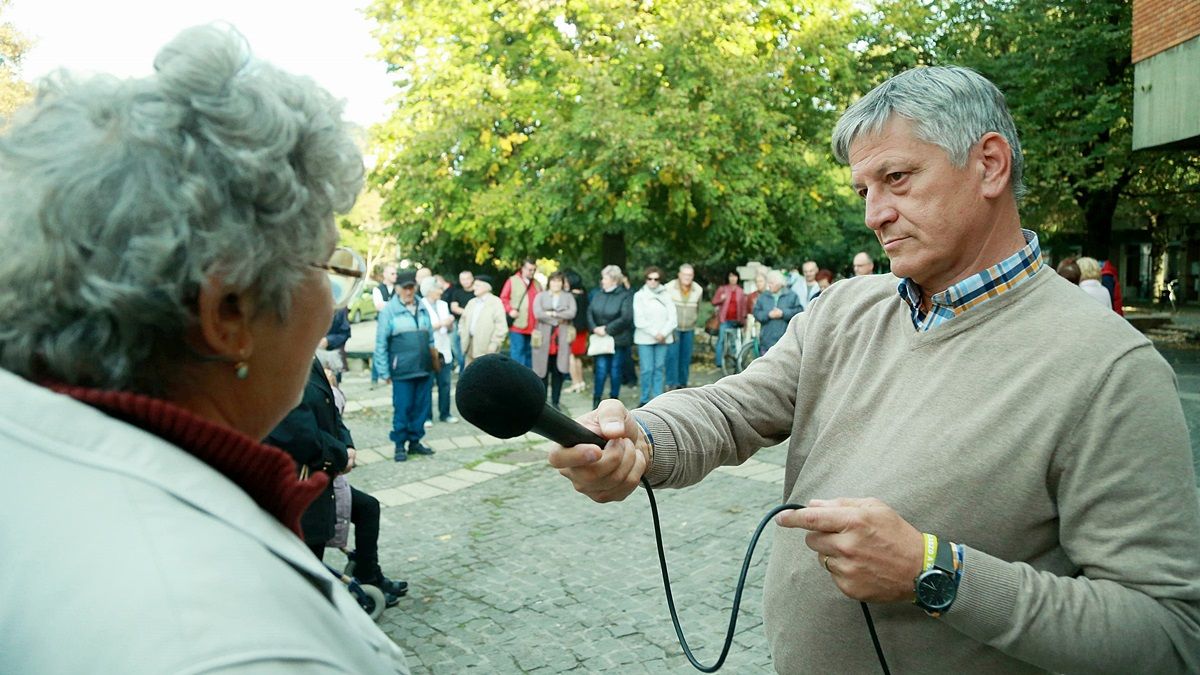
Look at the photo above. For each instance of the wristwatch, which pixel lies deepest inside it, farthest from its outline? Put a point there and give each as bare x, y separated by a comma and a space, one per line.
937, 586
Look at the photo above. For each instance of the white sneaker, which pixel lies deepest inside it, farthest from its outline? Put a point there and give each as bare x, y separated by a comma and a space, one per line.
451, 420
428, 424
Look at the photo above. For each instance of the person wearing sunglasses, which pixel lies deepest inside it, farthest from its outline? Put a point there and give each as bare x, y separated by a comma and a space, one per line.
195, 208
654, 321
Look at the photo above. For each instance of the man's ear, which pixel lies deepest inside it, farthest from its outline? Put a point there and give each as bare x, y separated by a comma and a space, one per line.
995, 164
223, 319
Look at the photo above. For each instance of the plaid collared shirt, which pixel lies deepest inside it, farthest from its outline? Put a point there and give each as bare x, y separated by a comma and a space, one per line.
975, 289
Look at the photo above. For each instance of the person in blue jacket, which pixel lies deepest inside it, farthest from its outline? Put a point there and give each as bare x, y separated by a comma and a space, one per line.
774, 309
403, 344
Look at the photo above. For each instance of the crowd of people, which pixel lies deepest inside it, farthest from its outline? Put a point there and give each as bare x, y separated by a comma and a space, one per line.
554, 325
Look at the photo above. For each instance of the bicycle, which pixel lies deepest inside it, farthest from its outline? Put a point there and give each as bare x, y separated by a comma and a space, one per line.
741, 347
751, 350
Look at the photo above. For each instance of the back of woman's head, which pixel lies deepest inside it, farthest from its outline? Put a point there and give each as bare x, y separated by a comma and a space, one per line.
1089, 268
1069, 270
574, 281
120, 198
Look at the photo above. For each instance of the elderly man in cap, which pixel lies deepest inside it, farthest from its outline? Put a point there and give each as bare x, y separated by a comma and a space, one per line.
404, 347
1008, 497
483, 325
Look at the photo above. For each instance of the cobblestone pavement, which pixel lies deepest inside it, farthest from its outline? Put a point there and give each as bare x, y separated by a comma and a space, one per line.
511, 571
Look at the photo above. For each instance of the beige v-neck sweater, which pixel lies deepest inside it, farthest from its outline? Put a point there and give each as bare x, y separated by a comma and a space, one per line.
1038, 429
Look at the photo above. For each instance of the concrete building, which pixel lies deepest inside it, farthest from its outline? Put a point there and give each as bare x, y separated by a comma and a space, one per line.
1166, 116
1166, 78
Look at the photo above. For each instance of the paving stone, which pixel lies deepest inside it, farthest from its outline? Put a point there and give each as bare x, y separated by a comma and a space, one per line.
372, 455
466, 441
471, 476
420, 491
495, 467
445, 482
393, 496
442, 444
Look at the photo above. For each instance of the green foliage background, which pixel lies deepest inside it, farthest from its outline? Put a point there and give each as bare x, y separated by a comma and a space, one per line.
664, 131
13, 90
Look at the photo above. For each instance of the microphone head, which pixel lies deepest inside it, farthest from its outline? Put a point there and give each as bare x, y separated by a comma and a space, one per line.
500, 396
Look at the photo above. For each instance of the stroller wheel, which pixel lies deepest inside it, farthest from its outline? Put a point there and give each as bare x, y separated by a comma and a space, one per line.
371, 601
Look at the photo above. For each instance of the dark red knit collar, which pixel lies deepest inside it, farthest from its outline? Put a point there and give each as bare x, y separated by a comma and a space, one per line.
264, 472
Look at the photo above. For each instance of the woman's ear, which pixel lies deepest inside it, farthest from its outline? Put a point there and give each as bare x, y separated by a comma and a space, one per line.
223, 318
995, 162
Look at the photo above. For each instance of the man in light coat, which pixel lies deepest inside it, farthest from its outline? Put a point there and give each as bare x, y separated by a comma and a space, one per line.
482, 326
686, 294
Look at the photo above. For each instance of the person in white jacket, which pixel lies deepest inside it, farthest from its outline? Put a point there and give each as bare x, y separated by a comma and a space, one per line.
654, 323
1089, 281
195, 208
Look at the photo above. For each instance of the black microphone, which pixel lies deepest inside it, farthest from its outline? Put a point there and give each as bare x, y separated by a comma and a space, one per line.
506, 399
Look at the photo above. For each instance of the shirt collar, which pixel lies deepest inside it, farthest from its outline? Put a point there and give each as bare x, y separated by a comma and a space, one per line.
975, 289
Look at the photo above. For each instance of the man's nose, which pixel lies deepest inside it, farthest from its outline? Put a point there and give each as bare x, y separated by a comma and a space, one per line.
879, 211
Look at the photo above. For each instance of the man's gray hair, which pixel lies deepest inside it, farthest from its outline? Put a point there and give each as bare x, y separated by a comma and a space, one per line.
120, 198
687, 266
949, 106
429, 285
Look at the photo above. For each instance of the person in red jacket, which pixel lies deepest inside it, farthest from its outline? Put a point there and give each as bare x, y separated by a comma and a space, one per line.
517, 297
1108, 277
730, 301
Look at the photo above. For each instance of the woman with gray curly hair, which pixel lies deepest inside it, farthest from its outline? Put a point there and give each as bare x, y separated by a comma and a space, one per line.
169, 267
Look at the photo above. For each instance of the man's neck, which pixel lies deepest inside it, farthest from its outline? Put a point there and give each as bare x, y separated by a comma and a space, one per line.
991, 254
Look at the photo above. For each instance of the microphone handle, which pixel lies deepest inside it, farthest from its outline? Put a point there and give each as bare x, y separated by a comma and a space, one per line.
563, 430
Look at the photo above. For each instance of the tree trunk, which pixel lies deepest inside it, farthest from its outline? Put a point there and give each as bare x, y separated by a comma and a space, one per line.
1098, 209
612, 250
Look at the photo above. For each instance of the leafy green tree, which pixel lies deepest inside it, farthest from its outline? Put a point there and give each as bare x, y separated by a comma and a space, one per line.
13, 90
363, 230
677, 130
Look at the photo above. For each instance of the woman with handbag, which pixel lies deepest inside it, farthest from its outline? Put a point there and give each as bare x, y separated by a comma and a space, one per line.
404, 350
554, 309
610, 317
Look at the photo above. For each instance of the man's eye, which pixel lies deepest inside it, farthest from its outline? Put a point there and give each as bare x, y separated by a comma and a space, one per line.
895, 176
862, 192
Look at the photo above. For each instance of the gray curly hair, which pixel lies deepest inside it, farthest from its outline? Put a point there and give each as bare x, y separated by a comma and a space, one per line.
950, 106
120, 198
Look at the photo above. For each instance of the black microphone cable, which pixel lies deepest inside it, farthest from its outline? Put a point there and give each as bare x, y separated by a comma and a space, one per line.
737, 595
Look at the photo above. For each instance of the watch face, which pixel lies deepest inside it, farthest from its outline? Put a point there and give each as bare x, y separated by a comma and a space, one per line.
936, 590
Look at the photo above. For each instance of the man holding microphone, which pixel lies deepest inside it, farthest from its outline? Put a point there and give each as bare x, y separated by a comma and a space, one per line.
1008, 498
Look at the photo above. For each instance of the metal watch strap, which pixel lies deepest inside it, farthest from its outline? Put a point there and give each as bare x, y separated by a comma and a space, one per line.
944, 560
